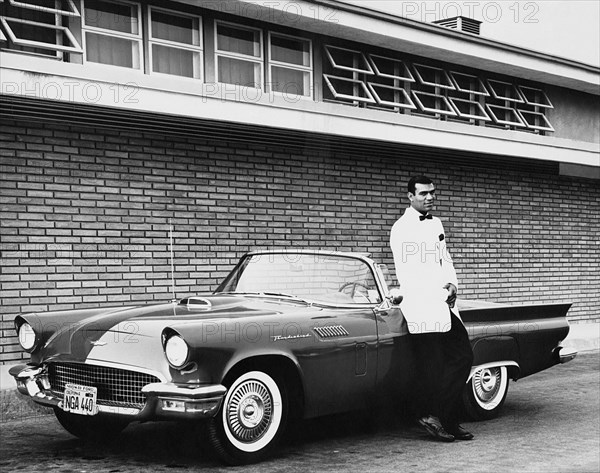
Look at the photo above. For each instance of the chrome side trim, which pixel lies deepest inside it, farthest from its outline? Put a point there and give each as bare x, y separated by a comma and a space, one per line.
198, 392
493, 364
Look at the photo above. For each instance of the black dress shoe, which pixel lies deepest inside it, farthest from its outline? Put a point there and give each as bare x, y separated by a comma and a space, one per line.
434, 427
459, 432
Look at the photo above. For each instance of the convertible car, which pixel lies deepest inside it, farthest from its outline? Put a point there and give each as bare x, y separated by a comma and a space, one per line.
287, 334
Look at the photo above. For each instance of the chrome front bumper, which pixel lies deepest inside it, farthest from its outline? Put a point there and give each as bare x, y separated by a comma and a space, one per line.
183, 401
163, 400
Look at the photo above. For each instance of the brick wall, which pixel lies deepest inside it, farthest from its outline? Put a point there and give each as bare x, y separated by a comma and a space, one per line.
85, 218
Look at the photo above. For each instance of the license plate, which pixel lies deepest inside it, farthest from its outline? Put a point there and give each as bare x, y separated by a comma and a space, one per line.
80, 399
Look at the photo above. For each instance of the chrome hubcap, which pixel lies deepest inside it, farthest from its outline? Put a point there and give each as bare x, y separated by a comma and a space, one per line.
486, 384
250, 411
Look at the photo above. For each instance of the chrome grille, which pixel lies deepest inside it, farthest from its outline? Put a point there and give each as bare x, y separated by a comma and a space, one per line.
116, 387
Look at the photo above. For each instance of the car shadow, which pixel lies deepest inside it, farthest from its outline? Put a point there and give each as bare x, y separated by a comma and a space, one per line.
185, 445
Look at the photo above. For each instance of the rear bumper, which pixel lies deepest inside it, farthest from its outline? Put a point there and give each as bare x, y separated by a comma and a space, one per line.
565, 354
163, 400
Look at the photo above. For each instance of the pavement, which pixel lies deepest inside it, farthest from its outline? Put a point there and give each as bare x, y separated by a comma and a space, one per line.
583, 336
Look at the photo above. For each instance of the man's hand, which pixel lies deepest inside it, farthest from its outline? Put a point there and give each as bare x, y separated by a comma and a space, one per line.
396, 296
451, 294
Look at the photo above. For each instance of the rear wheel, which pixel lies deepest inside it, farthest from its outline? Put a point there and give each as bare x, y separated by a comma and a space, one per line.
96, 429
251, 420
485, 393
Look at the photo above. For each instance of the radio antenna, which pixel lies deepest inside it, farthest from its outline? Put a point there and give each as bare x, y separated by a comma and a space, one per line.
172, 262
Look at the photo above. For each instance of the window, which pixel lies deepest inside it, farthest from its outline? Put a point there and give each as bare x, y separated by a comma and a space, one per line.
39, 35
535, 120
238, 55
112, 33
469, 84
433, 76
535, 97
469, 109
504, 91
39, 27
391, 68
433, 103
504, 115
391, 96
392, 83
348, 60
348, 89
290, 65
175, 44
49, 6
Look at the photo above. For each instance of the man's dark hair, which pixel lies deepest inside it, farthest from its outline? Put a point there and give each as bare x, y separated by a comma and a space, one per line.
412, 184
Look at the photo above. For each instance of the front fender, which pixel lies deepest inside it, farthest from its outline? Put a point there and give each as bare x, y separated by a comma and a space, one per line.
215, 354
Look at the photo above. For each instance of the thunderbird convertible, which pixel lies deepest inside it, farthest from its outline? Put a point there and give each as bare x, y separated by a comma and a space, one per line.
287, 334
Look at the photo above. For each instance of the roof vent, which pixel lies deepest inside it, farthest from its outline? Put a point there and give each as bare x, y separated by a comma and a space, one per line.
461, 23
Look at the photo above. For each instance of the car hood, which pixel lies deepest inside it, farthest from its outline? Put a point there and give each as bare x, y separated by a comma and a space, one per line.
132, 335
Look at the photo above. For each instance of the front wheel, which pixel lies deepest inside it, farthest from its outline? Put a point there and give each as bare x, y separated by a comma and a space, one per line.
93, 428
251, 420
485, 393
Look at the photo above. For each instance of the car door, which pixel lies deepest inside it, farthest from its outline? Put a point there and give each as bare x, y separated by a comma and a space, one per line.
340, 367
395, 362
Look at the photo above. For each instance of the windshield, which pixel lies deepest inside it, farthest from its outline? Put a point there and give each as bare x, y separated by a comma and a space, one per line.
321, 278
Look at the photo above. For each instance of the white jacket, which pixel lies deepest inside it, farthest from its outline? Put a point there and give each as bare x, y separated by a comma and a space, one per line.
423, 267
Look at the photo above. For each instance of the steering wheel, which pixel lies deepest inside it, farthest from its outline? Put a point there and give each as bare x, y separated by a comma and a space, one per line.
354, 285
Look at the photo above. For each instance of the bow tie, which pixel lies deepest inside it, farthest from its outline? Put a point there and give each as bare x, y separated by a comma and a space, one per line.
425, 217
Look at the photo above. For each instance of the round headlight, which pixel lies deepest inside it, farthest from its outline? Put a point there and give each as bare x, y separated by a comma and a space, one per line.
176, 351
26, 336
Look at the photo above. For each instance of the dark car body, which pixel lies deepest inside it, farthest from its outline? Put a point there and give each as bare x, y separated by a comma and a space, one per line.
336, 348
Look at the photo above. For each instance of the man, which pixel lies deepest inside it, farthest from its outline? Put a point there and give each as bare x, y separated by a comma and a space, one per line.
429, 285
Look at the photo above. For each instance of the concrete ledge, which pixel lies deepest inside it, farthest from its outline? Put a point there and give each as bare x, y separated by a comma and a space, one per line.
583, 336
6, 380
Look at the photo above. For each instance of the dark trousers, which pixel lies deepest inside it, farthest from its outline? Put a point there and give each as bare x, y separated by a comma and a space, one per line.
443, 365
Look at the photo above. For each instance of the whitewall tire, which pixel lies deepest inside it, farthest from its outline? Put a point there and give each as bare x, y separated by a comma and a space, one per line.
251, 419
486, 392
